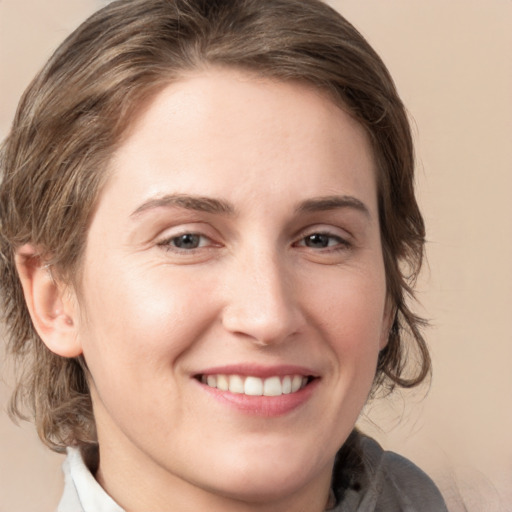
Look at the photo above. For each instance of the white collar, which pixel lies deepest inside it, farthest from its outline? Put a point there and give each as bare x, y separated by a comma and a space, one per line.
82, 493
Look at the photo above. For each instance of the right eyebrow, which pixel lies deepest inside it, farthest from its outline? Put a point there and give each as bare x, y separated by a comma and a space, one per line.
319, 204
189, 202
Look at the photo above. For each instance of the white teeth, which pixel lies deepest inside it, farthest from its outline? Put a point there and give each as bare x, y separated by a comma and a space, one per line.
236, 384
272, 387
255, 386
222, 382
296, 383
287, 385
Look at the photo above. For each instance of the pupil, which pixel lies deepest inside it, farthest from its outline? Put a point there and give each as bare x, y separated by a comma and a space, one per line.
187, 241
317, 240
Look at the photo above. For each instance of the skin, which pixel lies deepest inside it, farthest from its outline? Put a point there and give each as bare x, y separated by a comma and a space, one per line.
260, 289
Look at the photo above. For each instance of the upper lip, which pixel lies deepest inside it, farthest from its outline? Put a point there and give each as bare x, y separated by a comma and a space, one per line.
255, 370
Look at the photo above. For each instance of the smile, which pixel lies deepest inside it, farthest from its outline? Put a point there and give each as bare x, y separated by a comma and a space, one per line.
256, 386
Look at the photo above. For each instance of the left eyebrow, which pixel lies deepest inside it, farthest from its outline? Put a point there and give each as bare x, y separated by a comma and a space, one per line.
189, 202
326, 203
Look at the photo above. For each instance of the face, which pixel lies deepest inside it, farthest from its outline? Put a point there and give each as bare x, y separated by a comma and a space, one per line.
233, 296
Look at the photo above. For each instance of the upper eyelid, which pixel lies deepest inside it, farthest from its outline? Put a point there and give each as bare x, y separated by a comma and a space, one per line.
168, 238
206, 228
193, 227
334, 232
342, 241
324, 229
324, 233
214, 237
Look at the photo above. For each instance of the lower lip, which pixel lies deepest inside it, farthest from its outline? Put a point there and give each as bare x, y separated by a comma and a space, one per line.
266, 406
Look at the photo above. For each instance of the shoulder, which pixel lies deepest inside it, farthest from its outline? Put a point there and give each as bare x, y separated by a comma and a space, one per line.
395, 483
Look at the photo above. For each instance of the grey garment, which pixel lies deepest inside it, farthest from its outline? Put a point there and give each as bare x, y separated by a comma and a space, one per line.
388, 483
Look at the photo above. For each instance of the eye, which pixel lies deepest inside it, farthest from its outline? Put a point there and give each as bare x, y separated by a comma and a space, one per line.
186, 242
319, 241
323, 241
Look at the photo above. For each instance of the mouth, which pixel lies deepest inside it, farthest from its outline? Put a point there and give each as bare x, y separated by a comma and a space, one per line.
249, 385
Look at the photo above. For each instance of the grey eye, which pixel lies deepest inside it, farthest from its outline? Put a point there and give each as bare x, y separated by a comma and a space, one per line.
318, 241
187, 241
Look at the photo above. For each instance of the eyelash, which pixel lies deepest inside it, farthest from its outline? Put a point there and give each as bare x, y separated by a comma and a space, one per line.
204, 242
339, 244
169, 243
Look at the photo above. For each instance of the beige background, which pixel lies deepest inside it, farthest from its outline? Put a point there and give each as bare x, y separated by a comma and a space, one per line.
452, 64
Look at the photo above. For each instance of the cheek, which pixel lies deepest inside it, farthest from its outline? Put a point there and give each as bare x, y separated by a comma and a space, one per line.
353, 306
135, 336
140, 323
350, 314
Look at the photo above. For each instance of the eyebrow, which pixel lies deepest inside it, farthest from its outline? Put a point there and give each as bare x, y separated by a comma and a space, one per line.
326, 203
197, 203
219, 206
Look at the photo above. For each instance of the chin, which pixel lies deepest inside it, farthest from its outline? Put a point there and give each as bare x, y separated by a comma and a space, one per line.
261, 487
263, 477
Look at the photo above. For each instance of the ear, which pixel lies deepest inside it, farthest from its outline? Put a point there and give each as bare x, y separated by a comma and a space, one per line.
52, 305
387, 322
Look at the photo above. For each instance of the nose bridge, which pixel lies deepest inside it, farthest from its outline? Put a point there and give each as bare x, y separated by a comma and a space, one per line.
261, 303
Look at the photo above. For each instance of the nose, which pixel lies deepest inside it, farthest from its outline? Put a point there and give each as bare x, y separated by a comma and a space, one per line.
261, 301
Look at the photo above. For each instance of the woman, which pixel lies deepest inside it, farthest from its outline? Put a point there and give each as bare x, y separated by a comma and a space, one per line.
209, 230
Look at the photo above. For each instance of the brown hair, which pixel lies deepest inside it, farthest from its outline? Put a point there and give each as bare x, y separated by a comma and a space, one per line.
73, 115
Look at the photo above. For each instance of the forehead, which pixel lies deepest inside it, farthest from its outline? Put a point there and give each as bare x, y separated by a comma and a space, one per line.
225, 126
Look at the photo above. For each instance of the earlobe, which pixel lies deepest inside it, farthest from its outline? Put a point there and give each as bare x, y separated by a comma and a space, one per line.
52, 305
